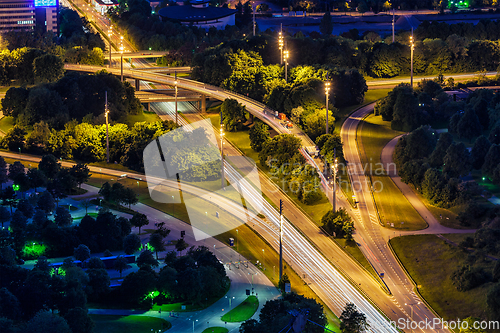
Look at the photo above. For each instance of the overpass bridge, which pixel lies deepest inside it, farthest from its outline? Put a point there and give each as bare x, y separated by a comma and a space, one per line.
168, 95
255, 108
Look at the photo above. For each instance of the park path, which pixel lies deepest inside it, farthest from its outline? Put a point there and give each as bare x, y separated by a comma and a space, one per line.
240, 275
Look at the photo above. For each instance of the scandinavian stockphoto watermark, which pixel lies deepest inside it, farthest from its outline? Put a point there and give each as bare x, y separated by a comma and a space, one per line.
437, 324
185, 166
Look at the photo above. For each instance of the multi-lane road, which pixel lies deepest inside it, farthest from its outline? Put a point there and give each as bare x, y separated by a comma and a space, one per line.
332, 287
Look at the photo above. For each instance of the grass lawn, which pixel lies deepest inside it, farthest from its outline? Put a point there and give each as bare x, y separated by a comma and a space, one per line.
128, 324
215, 329
392, 205
354, 251
430, 262
243, 311
131, 119
6, 123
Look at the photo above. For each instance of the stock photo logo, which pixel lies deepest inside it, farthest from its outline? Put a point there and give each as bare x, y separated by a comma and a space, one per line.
185, 166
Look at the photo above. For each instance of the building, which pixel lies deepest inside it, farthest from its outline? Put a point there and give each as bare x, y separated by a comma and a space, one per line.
28, 14
199, 13
46, 14
17, 15
102, 6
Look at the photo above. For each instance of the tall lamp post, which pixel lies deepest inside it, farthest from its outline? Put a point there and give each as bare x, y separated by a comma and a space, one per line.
280, 43
327, 93
393, 18
121, 52
285, 56
110, 33
222, 155
334, 183
254, 24
175, 83
106, 113
412, 47
411, 305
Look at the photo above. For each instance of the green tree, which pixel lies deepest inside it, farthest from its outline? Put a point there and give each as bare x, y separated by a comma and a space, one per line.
120, 265
437, 156
156, 241
491, 160
63, 217
139, 220
326, 24
279, 150
181, 245
352, 320
48, 68
137, 285
259, 134
233, 114
457, 161
479, 151
469, 126
146, 259
131, 244
4, 215
82, 252
16, 169
338, 223
129, 197
49, 166
81, 173
46, 202
79, 320
37, 178
9, 197
25, 207
45, 321
3, 172
407, 115
98, 282
432, 185
14, 102
14, 139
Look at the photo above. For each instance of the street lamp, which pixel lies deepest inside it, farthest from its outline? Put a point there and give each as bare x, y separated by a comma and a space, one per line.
193, 324
411, 305
110, 33
222, 156
327, 93
254, 24
285, 56
106, 113
121, 52
412, 47
280, 44
334, 183
175, 83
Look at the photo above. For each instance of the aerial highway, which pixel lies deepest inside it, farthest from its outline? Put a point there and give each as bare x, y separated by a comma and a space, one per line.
369, 233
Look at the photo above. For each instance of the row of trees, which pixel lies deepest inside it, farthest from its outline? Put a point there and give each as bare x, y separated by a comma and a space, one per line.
52, 103
434, 167
87, 142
